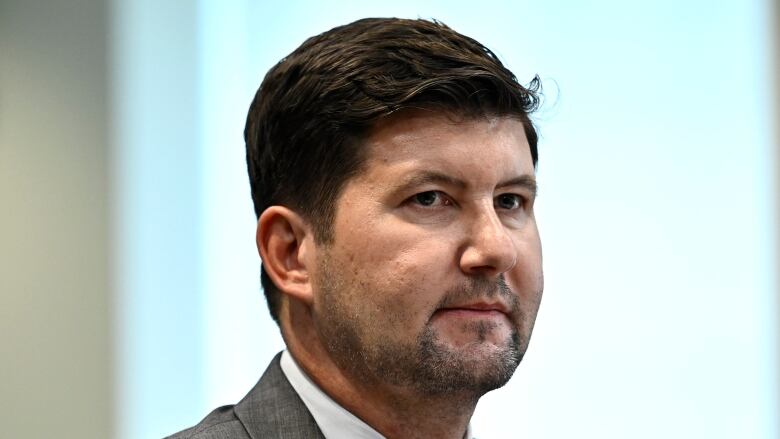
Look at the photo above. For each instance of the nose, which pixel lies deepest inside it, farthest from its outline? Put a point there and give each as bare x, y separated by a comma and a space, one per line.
489, 250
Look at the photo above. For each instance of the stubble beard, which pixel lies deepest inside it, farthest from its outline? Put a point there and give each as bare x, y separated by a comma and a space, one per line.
362, 345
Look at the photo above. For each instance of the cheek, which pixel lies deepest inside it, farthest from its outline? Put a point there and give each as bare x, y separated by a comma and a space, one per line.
387, 246
396, 275
527, 278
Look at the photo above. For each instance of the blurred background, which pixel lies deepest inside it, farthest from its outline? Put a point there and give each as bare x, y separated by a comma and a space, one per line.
130, 303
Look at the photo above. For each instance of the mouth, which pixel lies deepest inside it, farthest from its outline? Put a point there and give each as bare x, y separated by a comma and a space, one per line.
475, 310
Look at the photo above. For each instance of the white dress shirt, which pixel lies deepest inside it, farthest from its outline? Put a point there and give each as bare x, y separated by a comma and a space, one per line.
334, 421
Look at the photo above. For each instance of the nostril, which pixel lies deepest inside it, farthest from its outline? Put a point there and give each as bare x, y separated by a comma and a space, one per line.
489, 255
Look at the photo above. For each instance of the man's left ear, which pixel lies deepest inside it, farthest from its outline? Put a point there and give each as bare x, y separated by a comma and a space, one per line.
285, 242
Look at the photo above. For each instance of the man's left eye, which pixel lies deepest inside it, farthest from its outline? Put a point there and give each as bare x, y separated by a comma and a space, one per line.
508, 201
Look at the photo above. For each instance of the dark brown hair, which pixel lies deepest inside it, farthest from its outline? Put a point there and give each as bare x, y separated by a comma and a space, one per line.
306, 124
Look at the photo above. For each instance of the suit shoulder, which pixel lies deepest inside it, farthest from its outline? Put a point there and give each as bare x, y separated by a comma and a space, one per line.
222, 423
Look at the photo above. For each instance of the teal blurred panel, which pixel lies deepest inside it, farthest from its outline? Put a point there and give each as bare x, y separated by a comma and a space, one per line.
157, 218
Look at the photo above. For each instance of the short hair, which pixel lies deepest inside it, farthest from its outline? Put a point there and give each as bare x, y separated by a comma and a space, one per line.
314, 109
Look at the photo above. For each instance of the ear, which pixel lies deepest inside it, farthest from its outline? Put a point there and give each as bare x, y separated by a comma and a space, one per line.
284, 241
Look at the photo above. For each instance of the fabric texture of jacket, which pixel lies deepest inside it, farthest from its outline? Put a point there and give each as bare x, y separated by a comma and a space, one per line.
272, 409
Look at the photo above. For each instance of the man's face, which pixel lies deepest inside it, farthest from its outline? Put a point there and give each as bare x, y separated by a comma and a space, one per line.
434, 275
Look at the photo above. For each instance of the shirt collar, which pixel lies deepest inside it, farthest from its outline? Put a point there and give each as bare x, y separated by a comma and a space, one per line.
334, 420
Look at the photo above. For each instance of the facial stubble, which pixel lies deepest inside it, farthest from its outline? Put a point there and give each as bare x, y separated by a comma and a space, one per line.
365, 347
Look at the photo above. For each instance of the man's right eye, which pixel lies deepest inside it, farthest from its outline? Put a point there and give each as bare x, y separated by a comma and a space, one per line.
431, 199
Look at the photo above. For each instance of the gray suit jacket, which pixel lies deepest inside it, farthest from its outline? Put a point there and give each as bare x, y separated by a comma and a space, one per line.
272, 409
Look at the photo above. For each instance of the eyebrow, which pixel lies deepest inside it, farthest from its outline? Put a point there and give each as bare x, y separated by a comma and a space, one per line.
526, 181
427, 177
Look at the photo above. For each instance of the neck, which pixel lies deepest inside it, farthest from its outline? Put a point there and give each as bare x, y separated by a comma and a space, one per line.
394, 411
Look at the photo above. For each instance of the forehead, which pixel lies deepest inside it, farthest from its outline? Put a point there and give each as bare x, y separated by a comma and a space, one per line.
482, 148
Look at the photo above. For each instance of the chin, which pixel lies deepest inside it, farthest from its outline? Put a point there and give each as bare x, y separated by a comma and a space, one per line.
474, 368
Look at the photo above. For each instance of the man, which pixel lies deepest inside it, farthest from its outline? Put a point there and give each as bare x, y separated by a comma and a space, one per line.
392, 169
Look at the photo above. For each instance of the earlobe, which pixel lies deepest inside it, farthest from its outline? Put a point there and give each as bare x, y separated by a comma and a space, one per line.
283, 240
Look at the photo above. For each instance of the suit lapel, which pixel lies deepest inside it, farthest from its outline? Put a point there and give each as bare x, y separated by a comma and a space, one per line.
273, 409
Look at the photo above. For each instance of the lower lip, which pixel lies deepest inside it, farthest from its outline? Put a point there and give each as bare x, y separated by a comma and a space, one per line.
471, 313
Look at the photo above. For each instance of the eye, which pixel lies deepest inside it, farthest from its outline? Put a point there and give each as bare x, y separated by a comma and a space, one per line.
430, 199
508, 201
